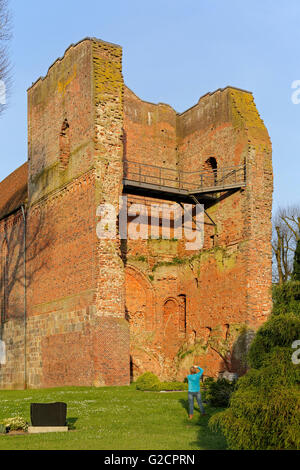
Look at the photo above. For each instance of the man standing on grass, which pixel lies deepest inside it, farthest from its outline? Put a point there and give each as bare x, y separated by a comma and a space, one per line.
194, 390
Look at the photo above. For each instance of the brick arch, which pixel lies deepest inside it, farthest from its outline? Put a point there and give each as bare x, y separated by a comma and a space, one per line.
210, 168
211, 163
139, 296
170, 313
140, 313
171, 327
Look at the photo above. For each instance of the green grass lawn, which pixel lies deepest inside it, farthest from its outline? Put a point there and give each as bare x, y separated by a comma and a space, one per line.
113, 418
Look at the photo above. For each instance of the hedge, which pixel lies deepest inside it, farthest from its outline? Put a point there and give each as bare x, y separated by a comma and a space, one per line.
150, 382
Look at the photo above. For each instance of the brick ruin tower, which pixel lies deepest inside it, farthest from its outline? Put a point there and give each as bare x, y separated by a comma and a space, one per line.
77, 309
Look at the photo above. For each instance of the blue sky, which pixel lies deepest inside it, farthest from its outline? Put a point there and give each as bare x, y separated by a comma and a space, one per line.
173, 52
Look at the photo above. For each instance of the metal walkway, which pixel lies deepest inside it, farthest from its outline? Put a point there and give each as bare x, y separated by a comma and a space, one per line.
167, 183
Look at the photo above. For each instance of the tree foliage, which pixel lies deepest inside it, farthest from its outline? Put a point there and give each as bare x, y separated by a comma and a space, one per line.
150, 382
280, 331
286, 298
218, 392
296, 266
264, 410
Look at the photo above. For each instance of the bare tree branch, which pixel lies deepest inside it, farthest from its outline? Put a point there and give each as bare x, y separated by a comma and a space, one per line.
5, 66
286, 233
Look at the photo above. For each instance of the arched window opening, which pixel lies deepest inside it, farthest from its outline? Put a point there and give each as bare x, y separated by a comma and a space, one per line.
207, 333
210, 168
64, 144
171, 313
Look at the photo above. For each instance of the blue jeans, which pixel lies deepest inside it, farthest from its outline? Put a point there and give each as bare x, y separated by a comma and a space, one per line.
191, 396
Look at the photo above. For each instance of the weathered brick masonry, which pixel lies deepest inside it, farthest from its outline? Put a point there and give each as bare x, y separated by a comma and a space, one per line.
93, 310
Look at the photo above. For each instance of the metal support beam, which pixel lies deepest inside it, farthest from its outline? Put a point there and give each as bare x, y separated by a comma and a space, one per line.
205, 212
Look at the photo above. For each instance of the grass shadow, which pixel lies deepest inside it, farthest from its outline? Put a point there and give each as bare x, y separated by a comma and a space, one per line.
185, 404
71, 423
208, 439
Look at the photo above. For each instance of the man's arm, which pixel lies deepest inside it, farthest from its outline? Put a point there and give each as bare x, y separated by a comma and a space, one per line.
200, 370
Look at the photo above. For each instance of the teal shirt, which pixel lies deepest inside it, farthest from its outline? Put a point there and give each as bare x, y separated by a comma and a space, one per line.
194, 381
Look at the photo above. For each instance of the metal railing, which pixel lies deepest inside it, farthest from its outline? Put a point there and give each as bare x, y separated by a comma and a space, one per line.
145, 175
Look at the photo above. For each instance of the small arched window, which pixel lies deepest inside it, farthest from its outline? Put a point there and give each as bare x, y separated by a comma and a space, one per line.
64, 144
211, 171
4, 281
171, 317
207, 333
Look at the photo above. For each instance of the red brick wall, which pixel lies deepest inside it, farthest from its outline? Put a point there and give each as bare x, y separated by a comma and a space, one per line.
226, 283
67, 359
64, 94
149, 132
111, 351
76, 279
84, 294
61, 245
12, 310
